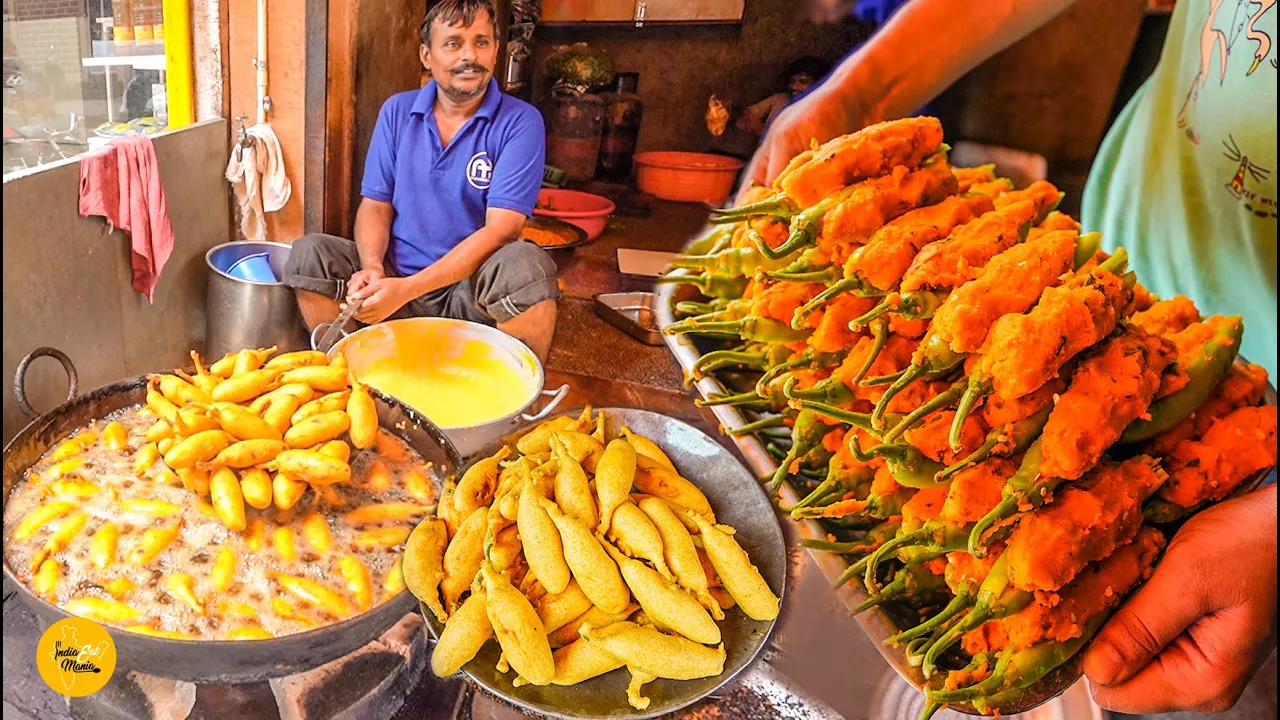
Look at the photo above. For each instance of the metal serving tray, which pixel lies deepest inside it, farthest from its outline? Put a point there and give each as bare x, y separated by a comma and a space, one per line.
632, 313
876, 622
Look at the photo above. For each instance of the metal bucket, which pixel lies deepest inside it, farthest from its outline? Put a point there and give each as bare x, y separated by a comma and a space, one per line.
399, 337
247, 313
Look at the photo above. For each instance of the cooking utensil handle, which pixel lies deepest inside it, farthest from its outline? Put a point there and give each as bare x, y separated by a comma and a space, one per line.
20, 377
315, 342
557, 395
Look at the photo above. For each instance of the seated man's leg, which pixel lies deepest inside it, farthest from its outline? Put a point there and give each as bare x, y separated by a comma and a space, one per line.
516, 290
318, 270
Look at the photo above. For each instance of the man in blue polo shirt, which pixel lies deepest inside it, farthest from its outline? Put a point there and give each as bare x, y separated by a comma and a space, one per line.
452, 173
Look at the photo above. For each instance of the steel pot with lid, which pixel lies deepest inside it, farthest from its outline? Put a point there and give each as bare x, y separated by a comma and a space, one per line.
428, 342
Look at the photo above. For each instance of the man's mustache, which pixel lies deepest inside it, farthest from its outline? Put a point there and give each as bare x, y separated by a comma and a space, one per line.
469, 67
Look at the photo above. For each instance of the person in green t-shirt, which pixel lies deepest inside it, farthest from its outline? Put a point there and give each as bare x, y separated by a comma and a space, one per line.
1186, 181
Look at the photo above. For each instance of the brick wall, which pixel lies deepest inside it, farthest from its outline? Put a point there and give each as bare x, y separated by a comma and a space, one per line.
44, 9
55, 39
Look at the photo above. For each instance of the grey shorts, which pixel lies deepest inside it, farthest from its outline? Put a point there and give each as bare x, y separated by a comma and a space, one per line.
513, 279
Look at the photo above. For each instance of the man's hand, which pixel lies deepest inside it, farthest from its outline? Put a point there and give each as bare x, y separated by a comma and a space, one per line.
1194, 635
382, 298
362, 278
821, 115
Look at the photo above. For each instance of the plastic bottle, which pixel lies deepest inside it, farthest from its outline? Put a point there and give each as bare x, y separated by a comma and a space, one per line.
157, 24
143, 22
622, 112
122, 23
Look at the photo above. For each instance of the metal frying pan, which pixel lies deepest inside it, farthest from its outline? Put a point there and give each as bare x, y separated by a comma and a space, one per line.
219, 661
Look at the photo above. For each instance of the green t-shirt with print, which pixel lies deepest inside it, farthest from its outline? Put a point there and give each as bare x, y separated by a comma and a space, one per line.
1186, 178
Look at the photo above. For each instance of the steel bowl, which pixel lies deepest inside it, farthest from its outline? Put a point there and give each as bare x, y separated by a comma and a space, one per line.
738, 500
411, 335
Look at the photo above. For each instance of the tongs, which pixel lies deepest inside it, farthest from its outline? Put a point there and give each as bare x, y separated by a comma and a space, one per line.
333, 331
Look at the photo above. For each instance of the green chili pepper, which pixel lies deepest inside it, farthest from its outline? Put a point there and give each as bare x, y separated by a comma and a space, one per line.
851, 522
917, 647
1087, 245
933, 359
714, 239
874, 505
919, 305
879, 337
861, 547
1208, 367
829, 391
759, 358
716, 359
810, 263
937, 402
807, 224
778, 205
962, 599
910, 467
836, 286
1011, 440
693, 325
840, 480
1017, 670
875, 537
933, 537
806, 358
690, 307
996, 599
764, 423
752, 327
733, 261
848, 417
711, 284
774, 401
1026, 486
806, 434
911, 582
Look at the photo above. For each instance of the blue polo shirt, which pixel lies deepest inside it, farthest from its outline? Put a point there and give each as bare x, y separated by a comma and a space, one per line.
440, 194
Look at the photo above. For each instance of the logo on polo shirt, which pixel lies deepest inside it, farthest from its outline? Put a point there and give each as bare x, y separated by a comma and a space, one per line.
480, 171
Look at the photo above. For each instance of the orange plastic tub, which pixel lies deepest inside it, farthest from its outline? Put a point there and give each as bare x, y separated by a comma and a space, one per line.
687, 176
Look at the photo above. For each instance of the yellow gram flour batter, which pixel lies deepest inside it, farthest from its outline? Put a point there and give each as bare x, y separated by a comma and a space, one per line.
469, 385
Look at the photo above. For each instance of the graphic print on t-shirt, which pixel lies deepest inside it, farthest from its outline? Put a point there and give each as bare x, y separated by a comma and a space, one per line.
1218, 44
1232, 50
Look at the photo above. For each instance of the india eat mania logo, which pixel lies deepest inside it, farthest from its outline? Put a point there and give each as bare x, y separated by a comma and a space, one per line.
76, 657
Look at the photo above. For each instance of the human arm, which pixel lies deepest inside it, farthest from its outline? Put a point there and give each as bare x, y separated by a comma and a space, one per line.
1195, 634
925, 47
373, 235
387, 295
753, 118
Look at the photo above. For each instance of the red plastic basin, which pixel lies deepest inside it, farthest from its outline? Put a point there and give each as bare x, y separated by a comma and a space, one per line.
587, 211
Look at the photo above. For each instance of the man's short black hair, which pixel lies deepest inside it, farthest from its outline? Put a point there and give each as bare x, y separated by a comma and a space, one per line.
454, 12
814, 67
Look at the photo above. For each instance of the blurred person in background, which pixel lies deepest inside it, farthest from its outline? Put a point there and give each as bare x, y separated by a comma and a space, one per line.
802, 75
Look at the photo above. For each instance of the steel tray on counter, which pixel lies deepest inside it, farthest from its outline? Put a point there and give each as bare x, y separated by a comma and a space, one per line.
877, 622
632, 313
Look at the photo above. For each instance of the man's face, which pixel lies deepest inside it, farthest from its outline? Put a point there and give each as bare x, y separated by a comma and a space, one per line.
461, 60
799, 83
